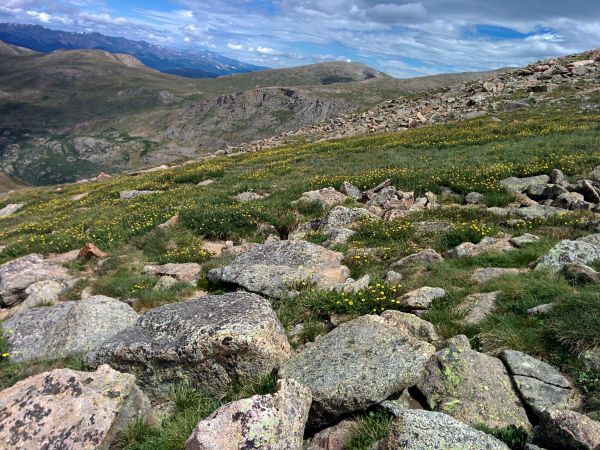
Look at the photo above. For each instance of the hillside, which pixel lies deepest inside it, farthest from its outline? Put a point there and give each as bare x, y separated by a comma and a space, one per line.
433, 287
189, 63
141, 117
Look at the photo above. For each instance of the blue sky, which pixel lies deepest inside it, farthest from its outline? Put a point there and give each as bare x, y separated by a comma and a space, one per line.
403, 38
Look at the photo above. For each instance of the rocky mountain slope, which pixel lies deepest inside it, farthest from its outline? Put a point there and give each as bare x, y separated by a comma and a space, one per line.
142, 118
433, 287
189, 63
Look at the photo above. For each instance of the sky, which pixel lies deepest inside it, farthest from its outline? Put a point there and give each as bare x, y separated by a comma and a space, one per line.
402, 38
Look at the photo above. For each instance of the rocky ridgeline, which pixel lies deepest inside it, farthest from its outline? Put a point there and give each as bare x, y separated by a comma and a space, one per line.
438, 392
460, 102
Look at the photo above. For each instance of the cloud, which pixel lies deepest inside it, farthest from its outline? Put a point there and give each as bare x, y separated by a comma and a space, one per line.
233, 46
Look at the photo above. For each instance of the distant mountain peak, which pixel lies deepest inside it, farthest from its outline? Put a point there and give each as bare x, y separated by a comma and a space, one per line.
191, 63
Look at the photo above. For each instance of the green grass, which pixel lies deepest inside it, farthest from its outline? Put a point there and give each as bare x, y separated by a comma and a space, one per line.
367, 430
514, 437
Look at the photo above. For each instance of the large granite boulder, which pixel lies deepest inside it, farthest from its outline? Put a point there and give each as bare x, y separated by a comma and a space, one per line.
420, 430
17, 275
357, 365
540, 385
273, 269
273, 421
472, 387
567, 251
567, 430
65, 329
208, 341
67, 409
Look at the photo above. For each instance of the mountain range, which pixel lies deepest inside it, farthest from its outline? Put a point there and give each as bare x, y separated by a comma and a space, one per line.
187, 63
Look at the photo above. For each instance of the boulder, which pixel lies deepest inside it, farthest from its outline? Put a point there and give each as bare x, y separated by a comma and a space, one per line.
593, 239
326, 197
17, 275
164, 283
42, 293
340, 216
412, 325
385, 195
133, 193
357, 365
520, 184
567, 200
545, 308
425, 256
540, 385
567, 430
273, 269
472, 387
524, 240
208, 341
186, 272
393, 278
477, 307
580, 273
332, 438
65, 329
67, 409
487, 244
273, 421
337, 236
10, 209
590, 360
244, 197
567, 251
474, 198
419, 430
595, 175
351, 191
537, 212
421, 298
485, 274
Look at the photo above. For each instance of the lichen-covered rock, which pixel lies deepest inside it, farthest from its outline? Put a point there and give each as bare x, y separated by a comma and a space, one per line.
274, 269
487, 244
567, 430
540, 385
340, 216
17, 275
273, 421
208, 341
474, 198
534, 212
477, 307
411, 324
351, 191
421, 298
567, 251
520, 184
590, 360
524, 240
186, 272
472, 387
485, 274
327, 197
244, 197
42, 293
67, 409
421, 430
332, 438
65, 329
359, 364
425, 256
580, 273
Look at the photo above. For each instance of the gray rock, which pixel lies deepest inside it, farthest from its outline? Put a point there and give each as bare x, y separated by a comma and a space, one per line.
412, 325
558, 177
352, 285
404, 401
537, 212
425, 256
17, 275
206, 183
332, 438
351, 191
67, 409
540, 385
327, 197
164, 283
131, 194
263, 421
10, 209
567, 200
186, 272
593, 239
472, 387
459, 342
273, 269
421, 298
595, 175
487, 244
207, 341
337, 236
580, 273
590, 193
42, 293
244, 197
393, 278
357, 365
524, 240
385, 195
590, 360
340, 216
421, 430
477, 307
520, 184
485, 274
546, 308
541, 191
65, 329
567, 251
474, 198
567, 430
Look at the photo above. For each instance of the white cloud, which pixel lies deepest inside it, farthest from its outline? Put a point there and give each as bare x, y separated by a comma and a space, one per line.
234, 46
267, 50
41, 16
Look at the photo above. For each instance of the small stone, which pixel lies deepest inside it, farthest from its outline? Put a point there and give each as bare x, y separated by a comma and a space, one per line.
351, 191
524, 240
458, 343
248, 197
421, 298
185, 272
393, 278
425, 256
477, 307
546, 308
474, 198
164, 283
206, 183
355, 286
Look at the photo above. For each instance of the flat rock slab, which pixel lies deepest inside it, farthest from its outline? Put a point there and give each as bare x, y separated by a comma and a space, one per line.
515, 184
357, 365
10, 209
18, 274
411, 324
477, 307
421, 298
67, 409
208, 341
567, 430
327, 197
186, 272
486, 245
274, 421
66, 329
275, 268
567, 251
340, 216
485, 274
472, 387
420, 430
132, 194
540, 385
